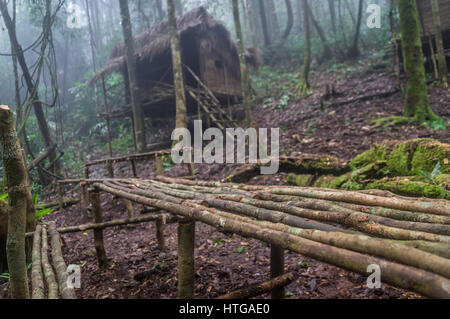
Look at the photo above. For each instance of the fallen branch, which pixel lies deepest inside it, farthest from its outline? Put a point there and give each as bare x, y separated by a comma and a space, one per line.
260, 289
303, 164
49, 275
59, 264
42, 157
37, 280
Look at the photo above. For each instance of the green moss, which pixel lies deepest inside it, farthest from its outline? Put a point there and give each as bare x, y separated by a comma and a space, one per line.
428, 153
410, 188
399, 159
376, 153
324, 181
300, 180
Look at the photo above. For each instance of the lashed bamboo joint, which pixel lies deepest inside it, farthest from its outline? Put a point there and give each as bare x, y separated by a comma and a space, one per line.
351, 230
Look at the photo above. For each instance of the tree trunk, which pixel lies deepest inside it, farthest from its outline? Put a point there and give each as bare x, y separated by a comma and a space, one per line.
417, 104
327, 50
290, 22
304, 86
354, 50
138, 116
331, 5
245, 75
443, 71
18, 190
273, 20
265, 27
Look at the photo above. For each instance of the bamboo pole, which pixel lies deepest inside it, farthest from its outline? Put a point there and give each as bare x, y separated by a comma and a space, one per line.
37, 280
59, 264
277, 283
98, 233
169, 218
406, 277
49, 275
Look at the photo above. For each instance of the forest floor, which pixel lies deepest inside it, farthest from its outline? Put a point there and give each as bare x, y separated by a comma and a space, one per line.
227, 263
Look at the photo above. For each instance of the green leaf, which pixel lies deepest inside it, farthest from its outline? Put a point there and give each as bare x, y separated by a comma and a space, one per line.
4, 196
436, 171
43, 212
289, 294
35, 198
240, 249
4, 276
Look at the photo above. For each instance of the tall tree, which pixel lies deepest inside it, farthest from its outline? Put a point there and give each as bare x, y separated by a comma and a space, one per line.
326, 47
304, 86
290, 21
245, 75
417, 104
138, 116
354, 49
443, 71
265, 27
186, 230
273, 20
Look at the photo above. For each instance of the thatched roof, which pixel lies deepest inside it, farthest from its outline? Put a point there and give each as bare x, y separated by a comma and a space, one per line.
156, 40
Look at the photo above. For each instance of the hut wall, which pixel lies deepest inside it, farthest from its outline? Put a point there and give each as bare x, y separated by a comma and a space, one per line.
426, 16
218, 67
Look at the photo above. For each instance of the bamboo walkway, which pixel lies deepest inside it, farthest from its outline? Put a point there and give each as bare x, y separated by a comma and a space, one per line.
409, 239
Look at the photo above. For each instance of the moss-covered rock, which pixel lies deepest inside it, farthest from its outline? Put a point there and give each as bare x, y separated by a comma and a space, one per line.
393, 166
407, 157
376, 153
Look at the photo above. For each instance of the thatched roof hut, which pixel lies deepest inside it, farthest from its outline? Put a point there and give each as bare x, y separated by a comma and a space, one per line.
206, 47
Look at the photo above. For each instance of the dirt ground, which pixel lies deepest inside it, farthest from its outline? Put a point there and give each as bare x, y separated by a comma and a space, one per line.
225, 263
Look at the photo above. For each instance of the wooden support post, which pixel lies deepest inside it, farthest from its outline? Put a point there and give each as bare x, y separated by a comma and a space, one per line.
86, 171
110, 168
60, 197
186, 269
134, 169
98, 233
277, 269
159, 165
130, 208
159, 223
84, 200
